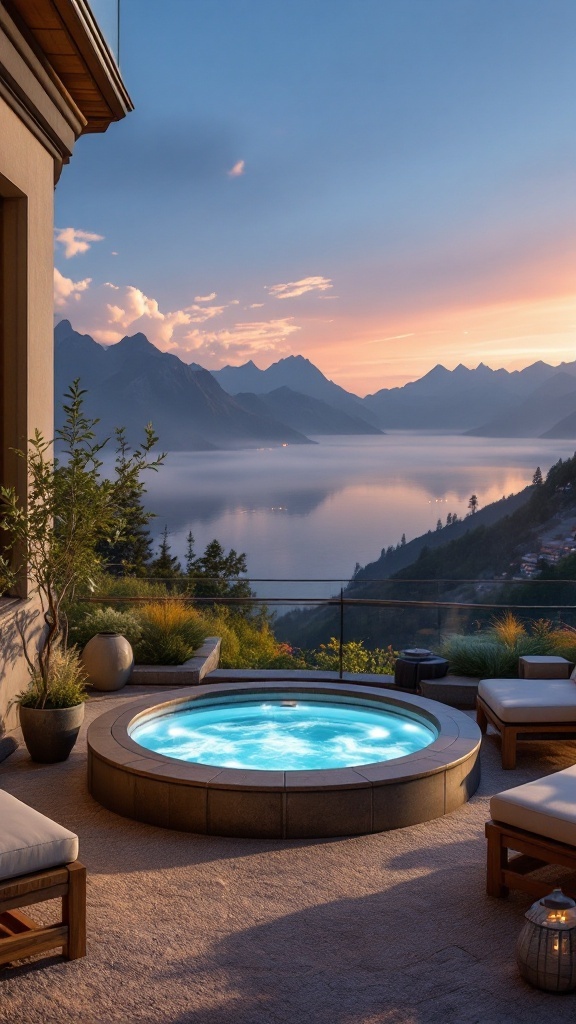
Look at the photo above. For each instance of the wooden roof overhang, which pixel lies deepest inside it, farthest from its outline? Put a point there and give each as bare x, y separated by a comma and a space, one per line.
66, 34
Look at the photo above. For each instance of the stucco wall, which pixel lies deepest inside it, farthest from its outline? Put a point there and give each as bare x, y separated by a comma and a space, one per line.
27, 183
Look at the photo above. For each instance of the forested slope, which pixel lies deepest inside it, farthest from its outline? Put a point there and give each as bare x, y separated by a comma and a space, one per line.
439, 570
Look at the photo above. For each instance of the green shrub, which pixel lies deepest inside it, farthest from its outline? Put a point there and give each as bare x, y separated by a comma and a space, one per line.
66, 683
355, 658
170, 633
494, 652
104, 620
105, 585
248, 642
478, 656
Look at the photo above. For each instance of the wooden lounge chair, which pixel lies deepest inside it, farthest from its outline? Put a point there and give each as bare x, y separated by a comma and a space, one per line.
38, 862
532, 826
539, 705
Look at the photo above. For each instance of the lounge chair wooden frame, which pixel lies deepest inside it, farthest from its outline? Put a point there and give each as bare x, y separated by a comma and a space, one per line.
511, 732
530, 853
20, 936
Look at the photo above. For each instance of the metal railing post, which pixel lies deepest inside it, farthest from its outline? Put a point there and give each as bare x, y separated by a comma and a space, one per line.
341, 641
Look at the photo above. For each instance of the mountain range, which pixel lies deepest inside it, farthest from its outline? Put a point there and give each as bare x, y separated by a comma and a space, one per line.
132, 382
301, 376
537, 401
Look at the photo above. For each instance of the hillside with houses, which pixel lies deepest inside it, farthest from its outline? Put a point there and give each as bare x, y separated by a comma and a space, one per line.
525, 556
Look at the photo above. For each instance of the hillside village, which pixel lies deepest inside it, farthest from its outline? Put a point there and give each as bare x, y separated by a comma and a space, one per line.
473, 565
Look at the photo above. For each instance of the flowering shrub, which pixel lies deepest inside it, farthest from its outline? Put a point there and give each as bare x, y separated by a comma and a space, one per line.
355, 658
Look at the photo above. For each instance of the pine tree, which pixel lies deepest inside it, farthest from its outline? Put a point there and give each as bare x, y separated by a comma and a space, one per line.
403, 540
439, 524
473, 504
449, 519
129, 553
190, 554
537, 478
216, 573
166, 566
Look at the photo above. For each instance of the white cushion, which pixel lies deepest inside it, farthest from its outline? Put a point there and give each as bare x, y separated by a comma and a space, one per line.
530, 700
29, 841
546, 806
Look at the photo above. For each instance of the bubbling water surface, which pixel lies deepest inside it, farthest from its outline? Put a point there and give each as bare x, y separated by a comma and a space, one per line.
284, 734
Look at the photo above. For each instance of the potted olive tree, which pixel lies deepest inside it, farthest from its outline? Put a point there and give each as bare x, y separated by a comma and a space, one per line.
53, 538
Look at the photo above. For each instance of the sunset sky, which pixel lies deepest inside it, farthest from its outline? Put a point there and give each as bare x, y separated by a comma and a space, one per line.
379, 185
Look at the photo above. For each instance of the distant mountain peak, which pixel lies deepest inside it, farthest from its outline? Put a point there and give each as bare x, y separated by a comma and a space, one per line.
135, 339
63, 329
136, 342
437, 373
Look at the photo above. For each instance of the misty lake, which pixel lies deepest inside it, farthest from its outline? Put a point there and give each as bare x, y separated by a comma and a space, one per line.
314, 511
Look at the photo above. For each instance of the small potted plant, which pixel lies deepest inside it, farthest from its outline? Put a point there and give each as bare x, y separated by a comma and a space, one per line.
52, 708
70, 509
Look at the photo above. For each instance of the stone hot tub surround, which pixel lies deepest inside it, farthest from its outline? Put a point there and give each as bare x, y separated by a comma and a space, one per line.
192, 797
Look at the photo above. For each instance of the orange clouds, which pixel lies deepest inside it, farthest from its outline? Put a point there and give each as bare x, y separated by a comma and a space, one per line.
293, 289
65, 289
238, 170
364, 354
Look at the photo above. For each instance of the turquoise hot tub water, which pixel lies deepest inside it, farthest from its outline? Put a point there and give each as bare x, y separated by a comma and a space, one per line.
290, 734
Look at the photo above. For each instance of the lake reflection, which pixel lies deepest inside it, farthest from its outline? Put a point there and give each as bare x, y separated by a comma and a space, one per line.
303, 512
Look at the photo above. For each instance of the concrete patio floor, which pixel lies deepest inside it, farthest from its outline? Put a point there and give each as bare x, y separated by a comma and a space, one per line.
394, 927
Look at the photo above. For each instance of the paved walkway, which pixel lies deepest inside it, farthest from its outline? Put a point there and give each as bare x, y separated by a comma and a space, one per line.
200, 930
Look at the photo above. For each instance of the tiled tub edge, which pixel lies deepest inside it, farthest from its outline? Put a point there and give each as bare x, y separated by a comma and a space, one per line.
162, 791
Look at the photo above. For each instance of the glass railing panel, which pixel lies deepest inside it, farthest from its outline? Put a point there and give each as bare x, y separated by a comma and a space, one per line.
396, 614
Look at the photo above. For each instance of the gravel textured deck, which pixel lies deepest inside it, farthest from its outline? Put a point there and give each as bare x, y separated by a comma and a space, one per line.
385, 928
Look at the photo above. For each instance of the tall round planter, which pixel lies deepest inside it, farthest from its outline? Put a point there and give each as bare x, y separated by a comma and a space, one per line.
50, 733
108, 661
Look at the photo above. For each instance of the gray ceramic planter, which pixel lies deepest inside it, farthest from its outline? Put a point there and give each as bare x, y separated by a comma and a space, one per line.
108, 661
50, 734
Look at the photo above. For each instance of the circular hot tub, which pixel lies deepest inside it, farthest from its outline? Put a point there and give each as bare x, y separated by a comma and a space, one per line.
283, 760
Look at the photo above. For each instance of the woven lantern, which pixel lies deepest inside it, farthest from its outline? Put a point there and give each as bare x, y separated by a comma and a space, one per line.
546, 949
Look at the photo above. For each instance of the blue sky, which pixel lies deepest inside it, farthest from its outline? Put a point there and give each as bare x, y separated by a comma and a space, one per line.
379, 185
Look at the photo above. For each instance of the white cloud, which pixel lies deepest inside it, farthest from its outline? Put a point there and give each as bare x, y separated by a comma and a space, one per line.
106, 337
109, 311
117, 315
76, 241
389, 337
67, 290
140, 312
243, 340
292, 289
205, 298
238, 170
200, 314
129, 311
255, 305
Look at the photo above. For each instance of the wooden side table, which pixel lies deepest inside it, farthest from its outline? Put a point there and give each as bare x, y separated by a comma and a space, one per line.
534, 666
